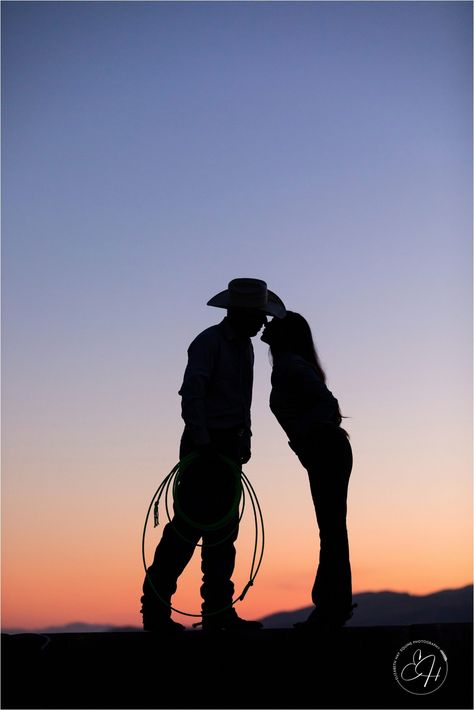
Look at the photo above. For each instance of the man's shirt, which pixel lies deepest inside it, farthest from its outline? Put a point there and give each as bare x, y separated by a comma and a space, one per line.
217, 386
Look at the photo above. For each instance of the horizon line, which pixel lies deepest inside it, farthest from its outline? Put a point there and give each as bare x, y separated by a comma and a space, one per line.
111, 626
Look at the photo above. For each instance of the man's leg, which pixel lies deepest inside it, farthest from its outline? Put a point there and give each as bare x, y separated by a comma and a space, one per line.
218, 550
171, 557
173, 552
217, 564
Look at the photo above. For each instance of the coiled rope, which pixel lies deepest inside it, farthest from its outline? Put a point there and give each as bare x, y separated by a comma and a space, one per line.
243, 486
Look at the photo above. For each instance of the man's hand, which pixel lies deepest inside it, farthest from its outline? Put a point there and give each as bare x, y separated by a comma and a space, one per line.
245, 448
245, 455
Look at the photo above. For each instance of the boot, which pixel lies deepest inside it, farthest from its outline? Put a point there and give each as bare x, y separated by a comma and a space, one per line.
228, 620
157, 617
325, 620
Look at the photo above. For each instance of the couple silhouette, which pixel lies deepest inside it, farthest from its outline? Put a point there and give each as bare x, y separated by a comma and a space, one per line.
216, 396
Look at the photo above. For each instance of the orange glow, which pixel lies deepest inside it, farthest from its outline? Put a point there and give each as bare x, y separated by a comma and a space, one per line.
82, 561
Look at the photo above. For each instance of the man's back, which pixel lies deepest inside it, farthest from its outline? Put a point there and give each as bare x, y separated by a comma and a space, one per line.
217, 385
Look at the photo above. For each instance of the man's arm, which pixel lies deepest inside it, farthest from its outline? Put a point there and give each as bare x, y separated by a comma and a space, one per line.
197, 376
246, 448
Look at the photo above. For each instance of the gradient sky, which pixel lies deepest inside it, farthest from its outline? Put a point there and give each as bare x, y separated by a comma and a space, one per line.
154, 151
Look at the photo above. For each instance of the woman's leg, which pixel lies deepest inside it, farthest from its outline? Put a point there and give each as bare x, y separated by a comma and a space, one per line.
329, 470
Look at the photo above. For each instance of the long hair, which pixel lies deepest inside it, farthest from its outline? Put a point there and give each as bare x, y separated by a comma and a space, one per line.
293, 334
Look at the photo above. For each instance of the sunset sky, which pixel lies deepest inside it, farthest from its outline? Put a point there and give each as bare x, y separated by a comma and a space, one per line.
152, 152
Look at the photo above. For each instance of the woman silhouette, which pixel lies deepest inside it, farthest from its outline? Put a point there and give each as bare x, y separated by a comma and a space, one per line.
310, 416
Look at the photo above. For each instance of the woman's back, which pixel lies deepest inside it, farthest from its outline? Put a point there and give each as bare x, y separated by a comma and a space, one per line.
299, 398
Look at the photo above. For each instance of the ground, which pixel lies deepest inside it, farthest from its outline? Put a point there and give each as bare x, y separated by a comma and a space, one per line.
272, 668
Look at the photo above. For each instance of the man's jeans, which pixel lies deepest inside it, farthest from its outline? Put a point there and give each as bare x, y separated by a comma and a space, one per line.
207, 491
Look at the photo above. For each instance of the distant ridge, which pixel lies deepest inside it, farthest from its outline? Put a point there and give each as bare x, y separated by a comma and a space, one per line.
374, 609
395, 609
75, 627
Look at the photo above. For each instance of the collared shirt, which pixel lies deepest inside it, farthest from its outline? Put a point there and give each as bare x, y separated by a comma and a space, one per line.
217, 386
299, 397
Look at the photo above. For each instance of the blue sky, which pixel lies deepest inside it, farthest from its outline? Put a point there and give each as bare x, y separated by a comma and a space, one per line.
153, 151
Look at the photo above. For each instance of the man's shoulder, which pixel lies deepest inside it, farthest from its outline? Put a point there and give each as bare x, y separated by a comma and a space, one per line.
208, 337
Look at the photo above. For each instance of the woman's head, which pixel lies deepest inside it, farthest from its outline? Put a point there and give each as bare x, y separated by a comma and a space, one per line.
292, 334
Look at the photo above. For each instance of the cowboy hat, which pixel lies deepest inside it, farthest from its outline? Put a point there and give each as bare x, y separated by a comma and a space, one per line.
249, 293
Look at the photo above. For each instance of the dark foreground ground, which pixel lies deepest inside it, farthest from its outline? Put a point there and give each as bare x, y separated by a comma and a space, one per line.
272, 668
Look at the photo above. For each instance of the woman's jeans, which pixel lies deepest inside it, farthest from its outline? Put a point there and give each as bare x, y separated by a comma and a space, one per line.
327, 456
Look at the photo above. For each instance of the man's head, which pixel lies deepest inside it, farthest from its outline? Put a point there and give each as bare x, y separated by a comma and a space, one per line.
246, 321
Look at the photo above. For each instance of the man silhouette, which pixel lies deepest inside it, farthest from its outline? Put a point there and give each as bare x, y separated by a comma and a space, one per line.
216, 397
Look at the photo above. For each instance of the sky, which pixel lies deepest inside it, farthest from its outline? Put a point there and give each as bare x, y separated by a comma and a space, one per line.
153, 151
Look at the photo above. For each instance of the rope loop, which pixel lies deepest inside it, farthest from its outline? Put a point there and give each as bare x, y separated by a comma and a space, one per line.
243, 487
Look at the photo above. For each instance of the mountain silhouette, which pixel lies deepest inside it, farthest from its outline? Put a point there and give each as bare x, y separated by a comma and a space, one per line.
74, 627
395, 608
